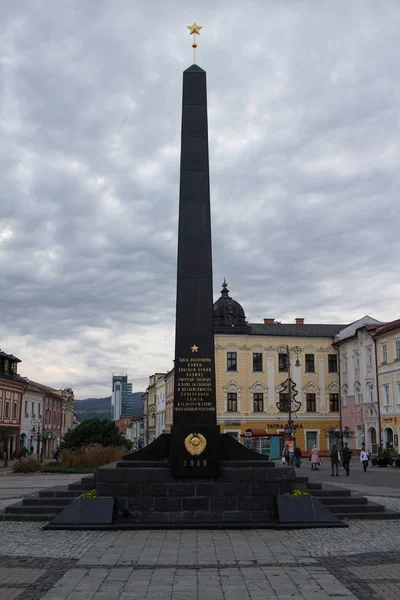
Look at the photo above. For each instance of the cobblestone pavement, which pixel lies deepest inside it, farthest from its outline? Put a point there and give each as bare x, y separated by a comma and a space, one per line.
313, 564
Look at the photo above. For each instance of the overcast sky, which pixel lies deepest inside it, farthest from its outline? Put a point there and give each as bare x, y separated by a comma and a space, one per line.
303, 101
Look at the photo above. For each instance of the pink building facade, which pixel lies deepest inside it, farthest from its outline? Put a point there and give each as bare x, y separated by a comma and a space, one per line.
358, 384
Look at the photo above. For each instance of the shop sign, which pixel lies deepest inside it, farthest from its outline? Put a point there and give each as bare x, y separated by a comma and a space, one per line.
232, 423
281, 425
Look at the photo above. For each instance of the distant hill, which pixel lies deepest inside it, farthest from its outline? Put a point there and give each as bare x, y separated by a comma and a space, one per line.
90, 408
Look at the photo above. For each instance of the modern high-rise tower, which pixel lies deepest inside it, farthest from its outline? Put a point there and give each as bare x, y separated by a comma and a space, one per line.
121, 397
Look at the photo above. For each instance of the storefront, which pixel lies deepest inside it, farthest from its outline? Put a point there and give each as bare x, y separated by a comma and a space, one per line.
271, 435
260, 441
390, 431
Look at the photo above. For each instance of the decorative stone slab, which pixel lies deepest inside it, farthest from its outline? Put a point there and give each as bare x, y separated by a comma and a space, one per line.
306, 511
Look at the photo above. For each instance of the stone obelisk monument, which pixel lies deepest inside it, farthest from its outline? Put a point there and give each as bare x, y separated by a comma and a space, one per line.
195, 440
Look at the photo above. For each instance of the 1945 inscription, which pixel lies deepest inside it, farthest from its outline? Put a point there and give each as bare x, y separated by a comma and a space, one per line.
194, 385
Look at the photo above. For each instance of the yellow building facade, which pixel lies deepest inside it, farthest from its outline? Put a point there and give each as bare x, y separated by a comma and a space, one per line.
250, 374
387, 349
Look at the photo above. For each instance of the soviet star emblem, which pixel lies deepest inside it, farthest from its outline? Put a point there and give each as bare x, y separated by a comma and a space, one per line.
194, 348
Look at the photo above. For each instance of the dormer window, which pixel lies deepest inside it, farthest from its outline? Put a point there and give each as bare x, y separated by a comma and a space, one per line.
12, 367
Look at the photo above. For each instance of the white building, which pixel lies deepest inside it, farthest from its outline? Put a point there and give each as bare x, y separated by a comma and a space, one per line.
161, 405
358, 381
32, 410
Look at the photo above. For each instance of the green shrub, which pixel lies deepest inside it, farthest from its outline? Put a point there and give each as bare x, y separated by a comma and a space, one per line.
94, 431
30, 464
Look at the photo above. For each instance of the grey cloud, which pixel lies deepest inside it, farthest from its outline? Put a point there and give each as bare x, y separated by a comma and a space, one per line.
304, 129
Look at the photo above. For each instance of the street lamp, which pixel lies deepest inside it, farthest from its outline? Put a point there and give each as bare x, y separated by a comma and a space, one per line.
290, 388
37, 428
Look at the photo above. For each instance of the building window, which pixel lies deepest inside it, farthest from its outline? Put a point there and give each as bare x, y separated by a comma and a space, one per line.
39, 409
398, 395
284, 401
283, 362
345, 365
384, 354
357, 396
7, 411
358, 436
371, 394
369, 357
344, 398
33, 408
311, 440
1, 409
334, 402
397, 350
258, 402
257, 361
310, 363
386, 392
15, 407
232, 402
232, 361
332, 363
357, 361
311, 403
26, 407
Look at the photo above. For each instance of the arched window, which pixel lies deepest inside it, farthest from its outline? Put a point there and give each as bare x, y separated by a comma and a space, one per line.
7, 411
15, 410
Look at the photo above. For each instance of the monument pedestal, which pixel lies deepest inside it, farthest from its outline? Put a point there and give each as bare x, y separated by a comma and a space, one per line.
150, 495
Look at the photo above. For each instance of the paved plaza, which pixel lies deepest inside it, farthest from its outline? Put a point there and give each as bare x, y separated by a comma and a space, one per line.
362, 561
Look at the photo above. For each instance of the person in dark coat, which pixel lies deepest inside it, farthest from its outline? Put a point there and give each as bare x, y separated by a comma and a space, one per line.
297, 456
335, 461
346, 457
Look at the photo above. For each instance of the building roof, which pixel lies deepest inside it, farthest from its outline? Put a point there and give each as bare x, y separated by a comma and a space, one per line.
228, 315
295, 330
13, 377
44, 389
9, 356
387, 327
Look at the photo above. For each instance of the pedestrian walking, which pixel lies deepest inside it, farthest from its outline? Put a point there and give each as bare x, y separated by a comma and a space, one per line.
346, 457
286, 455
335, 461
297, 457
364, 458
314, 459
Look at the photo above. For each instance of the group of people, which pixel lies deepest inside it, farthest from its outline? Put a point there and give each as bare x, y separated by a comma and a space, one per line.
335, 457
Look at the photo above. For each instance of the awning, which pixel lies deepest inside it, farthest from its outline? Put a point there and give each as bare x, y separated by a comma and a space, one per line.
255, 433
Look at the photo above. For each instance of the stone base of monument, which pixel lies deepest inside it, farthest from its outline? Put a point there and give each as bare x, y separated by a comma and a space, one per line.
150, 496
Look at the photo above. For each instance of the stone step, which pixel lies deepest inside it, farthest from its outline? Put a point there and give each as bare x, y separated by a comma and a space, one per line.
314, 486
377, 516
82, 486
19, 509
59, 493
26, 517
356, 508
332, 493
356, 500
46, 501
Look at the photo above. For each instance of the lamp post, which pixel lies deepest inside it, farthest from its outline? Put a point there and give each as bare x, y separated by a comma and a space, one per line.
37, 429
290, 386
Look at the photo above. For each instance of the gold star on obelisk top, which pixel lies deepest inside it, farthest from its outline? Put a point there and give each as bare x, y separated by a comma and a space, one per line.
194, 348
195, 30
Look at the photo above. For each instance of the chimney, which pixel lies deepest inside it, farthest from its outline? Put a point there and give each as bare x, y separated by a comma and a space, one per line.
269, 321
299, 321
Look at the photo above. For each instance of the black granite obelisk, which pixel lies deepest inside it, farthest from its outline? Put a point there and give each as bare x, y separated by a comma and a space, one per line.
195, 440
